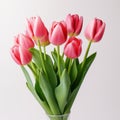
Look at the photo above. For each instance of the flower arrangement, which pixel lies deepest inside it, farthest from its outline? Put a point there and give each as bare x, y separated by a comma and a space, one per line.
58, 76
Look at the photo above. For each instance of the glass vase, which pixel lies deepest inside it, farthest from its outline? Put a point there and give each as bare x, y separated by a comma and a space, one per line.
58, 117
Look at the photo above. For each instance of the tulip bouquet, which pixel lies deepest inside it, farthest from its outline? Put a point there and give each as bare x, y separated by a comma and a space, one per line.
57, 77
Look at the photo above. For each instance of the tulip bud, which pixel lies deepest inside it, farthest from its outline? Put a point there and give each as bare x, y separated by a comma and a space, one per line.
24, 41
20, 55
36, 30
73, 47
95, 30
58, 33
74, 24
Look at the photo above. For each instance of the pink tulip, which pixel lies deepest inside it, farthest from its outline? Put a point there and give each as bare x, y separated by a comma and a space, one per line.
21, 55
58, 33
95, 30
24, 41
73, 47
74, 24
36, 30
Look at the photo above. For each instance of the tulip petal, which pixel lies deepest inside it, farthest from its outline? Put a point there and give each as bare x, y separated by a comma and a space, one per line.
64, 28
29, 30
23, 40
70, 23
69, 52
79, 26
25, 55
15, 54
73, 48
95, 30
57, 37
74, 24
76, 21
39, 28
100, 33
90, 30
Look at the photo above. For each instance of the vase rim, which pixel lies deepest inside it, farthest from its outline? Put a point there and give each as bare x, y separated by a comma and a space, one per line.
58, 115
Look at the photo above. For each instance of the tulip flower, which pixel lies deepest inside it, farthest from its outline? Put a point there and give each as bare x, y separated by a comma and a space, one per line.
58, 33
24, 41
21, 55
95, 30
36, 30
73, 47
74, 24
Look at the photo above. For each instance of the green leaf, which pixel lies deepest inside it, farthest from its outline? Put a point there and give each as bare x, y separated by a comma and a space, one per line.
33, 68
29, 81
67, 61
73, 72
62, 91
71, 100
86, 67
77, 61
32, 89
51, 74
48, 66
48, 93
39, 91
49, 70
49, 60
62, 64
36, 57
42, 103
80, 79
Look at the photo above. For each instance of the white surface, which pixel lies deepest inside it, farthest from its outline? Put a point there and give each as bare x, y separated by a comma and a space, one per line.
99, 96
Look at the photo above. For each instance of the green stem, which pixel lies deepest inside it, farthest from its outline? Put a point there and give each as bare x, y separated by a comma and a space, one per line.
58, 54
32, 65
32, 68
42, 60
69, 67
44, 52
86, 54
62, 54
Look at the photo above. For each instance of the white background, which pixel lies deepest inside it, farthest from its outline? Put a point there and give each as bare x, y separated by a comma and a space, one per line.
99, 96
